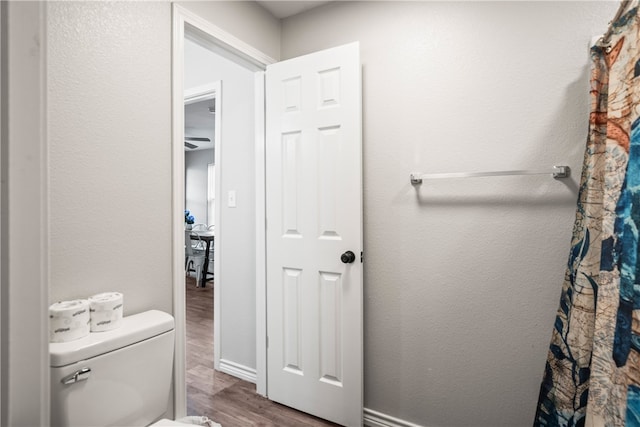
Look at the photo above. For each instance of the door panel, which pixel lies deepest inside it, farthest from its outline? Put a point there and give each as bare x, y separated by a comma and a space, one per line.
314, 215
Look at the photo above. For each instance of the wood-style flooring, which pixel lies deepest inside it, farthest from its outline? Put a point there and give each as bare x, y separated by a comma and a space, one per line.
223, 398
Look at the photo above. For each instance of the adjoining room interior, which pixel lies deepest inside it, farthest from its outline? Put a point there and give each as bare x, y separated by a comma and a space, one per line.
200, 160
199, 171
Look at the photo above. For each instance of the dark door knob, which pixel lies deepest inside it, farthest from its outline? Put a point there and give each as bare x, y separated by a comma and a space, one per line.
348, 257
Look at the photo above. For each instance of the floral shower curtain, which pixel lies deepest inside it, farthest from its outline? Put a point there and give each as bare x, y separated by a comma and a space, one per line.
592, 375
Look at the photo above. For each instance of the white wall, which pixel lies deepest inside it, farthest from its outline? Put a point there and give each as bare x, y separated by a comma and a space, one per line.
196, 182
110, 157
462, 278
236, 231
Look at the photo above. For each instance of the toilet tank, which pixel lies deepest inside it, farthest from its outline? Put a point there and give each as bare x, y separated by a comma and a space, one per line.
120, 377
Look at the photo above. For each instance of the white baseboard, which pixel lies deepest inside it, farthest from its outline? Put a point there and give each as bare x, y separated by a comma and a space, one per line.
238, 370
373, 418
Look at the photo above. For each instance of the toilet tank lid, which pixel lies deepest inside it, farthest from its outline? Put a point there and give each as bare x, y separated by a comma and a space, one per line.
134, 328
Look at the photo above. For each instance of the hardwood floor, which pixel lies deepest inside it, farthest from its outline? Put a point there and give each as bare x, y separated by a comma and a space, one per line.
223, 398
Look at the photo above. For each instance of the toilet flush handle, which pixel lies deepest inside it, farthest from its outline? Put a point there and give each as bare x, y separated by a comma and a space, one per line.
81, 375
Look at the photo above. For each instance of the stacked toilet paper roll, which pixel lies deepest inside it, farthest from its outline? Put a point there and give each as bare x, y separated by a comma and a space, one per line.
69, 320
106, 311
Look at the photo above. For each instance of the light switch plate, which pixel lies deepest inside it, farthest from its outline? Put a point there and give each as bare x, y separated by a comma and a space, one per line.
231, 199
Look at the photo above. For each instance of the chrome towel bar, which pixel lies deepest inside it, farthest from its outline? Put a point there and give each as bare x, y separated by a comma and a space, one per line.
556, 172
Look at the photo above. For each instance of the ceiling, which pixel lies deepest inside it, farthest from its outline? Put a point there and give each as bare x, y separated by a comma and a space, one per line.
284, 9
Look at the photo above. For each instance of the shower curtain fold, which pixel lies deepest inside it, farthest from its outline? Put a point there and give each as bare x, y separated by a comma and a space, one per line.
592, 374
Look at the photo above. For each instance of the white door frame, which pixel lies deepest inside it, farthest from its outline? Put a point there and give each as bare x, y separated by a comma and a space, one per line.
197, 94
181, 18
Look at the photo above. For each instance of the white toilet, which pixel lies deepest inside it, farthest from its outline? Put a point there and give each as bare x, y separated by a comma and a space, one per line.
120, 377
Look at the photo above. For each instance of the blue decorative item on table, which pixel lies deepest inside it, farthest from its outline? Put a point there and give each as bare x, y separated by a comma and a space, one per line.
188, 219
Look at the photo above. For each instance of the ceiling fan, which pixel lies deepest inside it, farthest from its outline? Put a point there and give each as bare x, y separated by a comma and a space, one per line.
192, 146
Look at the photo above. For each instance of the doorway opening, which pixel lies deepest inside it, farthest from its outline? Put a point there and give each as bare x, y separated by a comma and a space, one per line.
203, 58
202, 123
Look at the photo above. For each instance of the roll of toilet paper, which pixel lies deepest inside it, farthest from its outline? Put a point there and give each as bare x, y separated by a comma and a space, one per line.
69, 320
106, 311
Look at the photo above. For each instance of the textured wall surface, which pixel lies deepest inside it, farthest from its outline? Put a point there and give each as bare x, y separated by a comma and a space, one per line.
109, 89
462, 278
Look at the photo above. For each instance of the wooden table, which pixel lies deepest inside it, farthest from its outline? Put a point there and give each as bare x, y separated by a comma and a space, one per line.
208, 237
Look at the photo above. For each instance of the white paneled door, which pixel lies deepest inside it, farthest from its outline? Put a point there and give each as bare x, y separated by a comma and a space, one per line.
314, 234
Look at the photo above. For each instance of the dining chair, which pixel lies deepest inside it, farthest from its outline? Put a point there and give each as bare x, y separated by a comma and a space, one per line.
194, 254
199, 227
